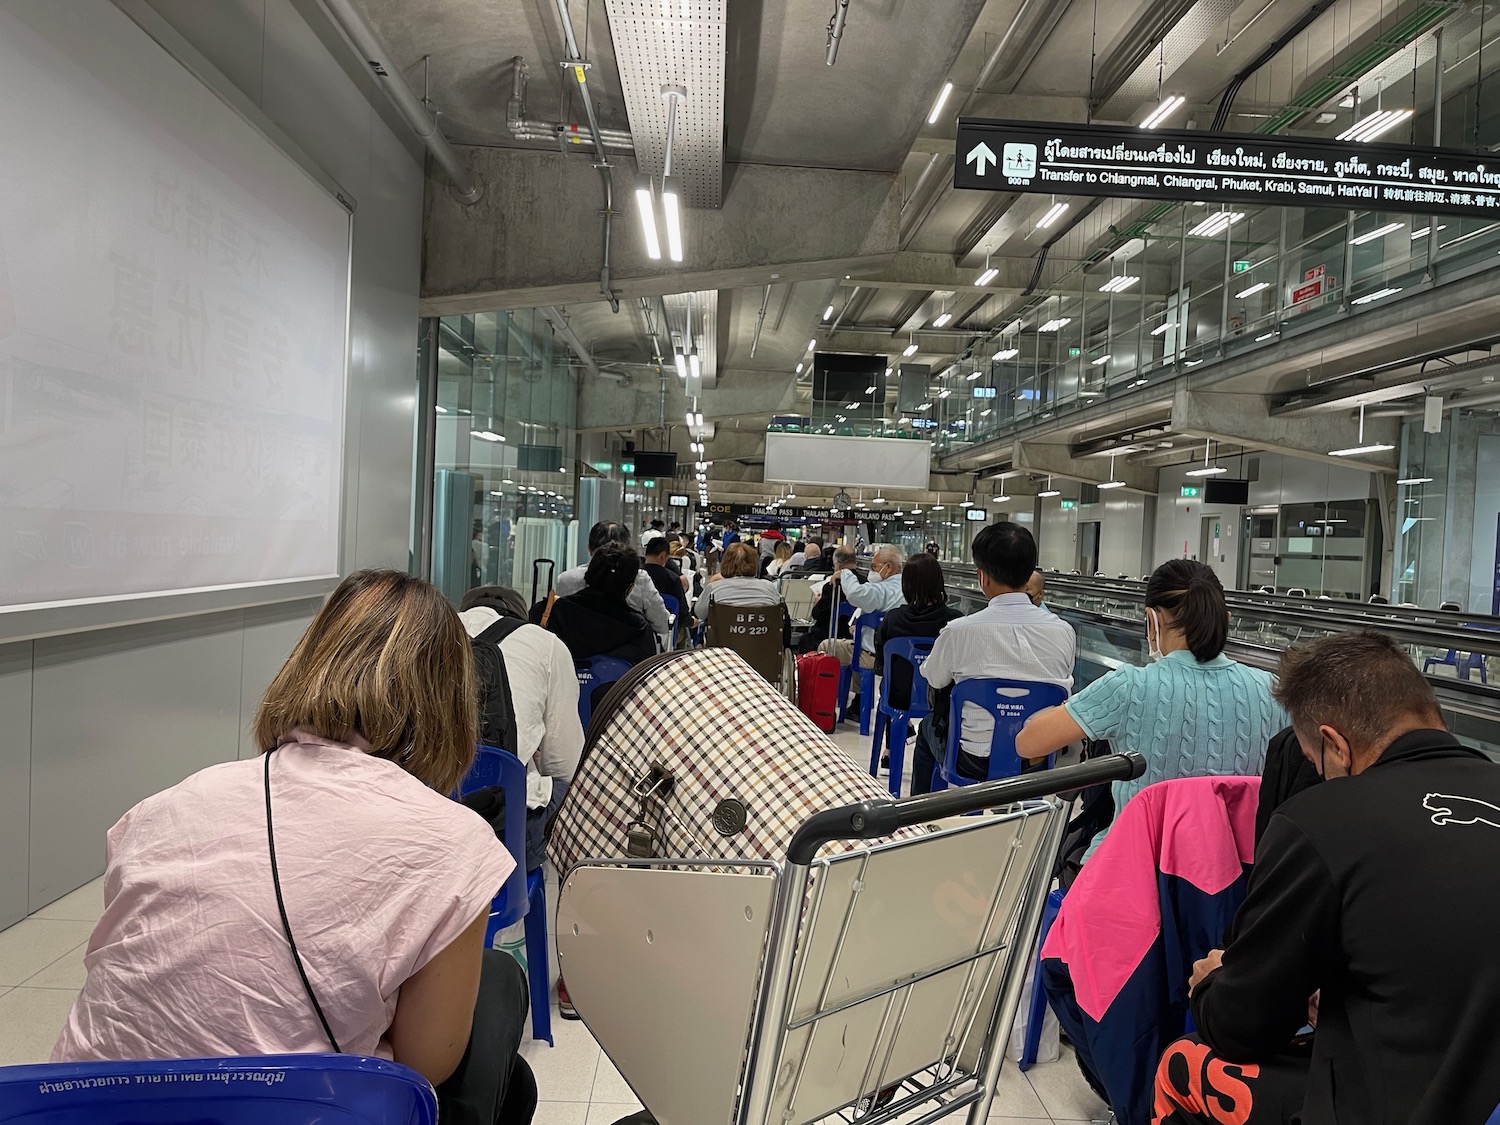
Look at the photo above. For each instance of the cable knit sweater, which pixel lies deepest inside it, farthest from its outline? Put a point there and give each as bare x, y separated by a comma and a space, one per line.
1185, 718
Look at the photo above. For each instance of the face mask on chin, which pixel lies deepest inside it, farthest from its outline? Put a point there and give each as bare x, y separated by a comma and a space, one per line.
1153, 635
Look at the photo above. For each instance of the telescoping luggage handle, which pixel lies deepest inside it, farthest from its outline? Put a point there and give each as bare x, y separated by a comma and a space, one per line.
536, 567
870, 820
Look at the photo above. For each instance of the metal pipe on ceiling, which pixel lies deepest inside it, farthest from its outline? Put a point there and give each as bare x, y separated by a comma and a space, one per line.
389, 78
579, 68
992, 63
1272, 49
523, 128
836, 29
760, 321
559, 324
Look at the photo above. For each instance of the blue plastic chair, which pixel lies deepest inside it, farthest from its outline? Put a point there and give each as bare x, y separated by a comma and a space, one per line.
524, 894
1010, 703
865, 622
594, 675
895, 722
287, 1089
1037, 1010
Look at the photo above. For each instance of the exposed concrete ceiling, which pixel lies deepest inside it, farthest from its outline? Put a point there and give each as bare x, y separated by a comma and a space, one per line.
838, 192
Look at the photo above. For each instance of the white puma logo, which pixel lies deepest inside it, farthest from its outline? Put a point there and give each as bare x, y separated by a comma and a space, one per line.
1448, 809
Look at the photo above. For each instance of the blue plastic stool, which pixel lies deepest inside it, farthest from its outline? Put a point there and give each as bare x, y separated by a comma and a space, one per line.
524, 894
866, 675
914, 651
1037, 1011
286, 1089
594, 673
1010, 703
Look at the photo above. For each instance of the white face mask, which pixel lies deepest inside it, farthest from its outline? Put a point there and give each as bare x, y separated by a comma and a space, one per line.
876, 576
1153, 635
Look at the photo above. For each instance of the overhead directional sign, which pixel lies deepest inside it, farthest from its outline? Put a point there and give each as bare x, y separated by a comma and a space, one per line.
1187, 165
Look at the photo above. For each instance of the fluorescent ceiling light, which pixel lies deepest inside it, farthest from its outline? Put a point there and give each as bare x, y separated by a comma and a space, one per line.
1049, 493
689, 417
441, 409
1191, 362
1139, 383
1054, 325
812, 345
1054, 213
869, 390
1416, 234
925, 406
507, 480
945, 393
1169, 105
1375, 125
694, 364
937, 507
1256, 288
1111, 484
1159, 330
1217, 223
937, 106
1415, 480
698, 418
878, 500
942, 319
671, 205
682, 366
1118, 284
1102, 360
1372, 235
975, 375
966, 503
1005, 353
828, 313
910, 350
647, 207
985, 413
887, 372
486, 435
1090, 394
1265, 336
1000, 499
987, 276
1375, 296
1356, 450
1206, 471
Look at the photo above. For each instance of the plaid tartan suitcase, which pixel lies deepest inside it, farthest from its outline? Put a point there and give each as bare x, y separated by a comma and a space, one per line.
694, 755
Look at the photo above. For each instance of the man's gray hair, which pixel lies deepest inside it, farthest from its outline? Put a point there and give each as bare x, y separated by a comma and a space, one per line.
891, 552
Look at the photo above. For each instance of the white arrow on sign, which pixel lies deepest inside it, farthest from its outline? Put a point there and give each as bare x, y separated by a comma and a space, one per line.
978, 155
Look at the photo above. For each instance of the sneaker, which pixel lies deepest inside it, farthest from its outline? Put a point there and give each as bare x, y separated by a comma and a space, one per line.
564, 1003
885, 768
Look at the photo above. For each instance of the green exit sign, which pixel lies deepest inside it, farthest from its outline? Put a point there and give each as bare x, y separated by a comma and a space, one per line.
1190, 491
1240, 266
1069, 505
627, 467
648, 484
603, 466
1072, 352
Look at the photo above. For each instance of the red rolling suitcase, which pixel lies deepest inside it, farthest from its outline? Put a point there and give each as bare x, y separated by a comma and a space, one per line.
818, 689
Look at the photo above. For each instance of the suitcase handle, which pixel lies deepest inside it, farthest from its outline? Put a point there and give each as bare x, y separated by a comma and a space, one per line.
870, 820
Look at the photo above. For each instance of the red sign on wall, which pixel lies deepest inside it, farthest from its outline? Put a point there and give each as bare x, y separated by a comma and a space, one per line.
1307, 292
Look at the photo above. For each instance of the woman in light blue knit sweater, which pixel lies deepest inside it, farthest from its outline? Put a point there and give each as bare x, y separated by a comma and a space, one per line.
1191, 712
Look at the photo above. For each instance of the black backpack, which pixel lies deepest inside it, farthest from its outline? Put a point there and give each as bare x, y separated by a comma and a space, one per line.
497, 708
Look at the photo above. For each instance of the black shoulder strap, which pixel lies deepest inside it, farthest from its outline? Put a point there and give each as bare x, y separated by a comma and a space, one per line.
501, 629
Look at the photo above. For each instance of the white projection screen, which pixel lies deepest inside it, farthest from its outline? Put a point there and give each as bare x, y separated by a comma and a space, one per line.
174, 294
848, 461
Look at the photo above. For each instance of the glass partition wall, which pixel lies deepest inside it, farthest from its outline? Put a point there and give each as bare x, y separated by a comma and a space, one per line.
504, 452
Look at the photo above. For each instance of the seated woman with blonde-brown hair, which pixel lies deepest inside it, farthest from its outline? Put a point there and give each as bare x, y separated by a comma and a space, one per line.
325, 895
736, 583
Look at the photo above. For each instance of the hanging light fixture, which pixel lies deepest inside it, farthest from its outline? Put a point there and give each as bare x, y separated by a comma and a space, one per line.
1361, 447
646, 205
1207, 470
1049, 492
671, 190
1111, 482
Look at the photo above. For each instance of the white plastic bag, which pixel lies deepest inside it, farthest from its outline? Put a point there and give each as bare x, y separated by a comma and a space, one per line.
1050, 1047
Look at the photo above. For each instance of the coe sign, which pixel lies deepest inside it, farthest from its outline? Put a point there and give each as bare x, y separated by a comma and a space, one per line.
1185, 165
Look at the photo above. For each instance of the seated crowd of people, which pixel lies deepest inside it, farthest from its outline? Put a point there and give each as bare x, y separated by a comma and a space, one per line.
1368, 913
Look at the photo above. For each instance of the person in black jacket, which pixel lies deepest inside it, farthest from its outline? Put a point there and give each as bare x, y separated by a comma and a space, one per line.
925, 613
596, 621
1371, 914
668, 583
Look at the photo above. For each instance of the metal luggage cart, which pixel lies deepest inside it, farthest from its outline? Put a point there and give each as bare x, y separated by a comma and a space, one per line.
875, 982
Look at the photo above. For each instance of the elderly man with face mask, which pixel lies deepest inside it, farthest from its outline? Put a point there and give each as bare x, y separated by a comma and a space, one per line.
882, 591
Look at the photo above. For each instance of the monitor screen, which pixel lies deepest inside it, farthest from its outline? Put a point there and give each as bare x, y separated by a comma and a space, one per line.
976, 515
1225, 491
677, 500
856, 380
655, 464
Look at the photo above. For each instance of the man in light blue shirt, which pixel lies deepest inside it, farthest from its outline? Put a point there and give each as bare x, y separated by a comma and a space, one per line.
880, 593
1010, 639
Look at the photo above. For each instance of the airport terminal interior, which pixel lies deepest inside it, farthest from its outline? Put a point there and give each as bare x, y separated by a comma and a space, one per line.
1171, 304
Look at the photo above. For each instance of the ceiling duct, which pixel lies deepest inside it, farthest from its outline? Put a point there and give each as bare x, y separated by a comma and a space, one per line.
704, 333
677, 44
1167, 34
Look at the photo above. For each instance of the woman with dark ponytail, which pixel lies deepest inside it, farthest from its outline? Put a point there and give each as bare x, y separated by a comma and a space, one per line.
1190, 712
596, 621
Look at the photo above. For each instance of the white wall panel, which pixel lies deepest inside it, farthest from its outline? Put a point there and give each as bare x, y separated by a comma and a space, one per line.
117, 716
269, 636
15, 779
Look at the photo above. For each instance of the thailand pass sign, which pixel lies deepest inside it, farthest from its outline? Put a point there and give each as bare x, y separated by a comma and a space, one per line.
1186, 165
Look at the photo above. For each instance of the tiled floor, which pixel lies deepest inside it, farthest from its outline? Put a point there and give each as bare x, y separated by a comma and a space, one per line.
41, 970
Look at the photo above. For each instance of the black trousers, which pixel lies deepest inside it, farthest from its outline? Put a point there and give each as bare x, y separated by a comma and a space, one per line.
925, 756
493, 1085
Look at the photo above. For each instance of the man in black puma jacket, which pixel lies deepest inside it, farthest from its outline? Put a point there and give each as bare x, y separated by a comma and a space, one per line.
1376, 897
